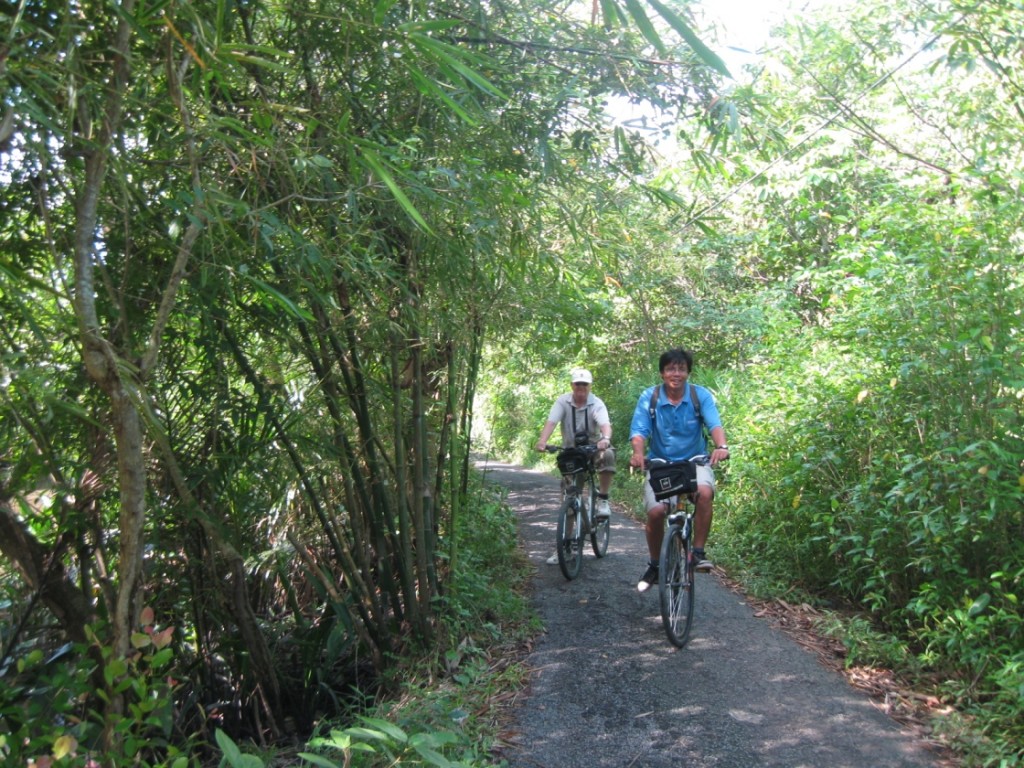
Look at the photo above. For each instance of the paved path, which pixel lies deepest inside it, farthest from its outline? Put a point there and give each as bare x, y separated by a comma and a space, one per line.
609, 690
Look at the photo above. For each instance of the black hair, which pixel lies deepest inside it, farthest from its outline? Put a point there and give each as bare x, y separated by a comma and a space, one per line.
675, 357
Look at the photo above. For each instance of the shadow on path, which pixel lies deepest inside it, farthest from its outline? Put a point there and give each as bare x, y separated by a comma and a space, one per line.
608, 689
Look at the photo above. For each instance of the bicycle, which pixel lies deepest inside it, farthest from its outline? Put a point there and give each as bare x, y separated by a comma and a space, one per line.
576, 513
675, 483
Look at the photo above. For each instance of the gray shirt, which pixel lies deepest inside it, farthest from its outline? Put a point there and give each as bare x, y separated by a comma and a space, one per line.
591, 417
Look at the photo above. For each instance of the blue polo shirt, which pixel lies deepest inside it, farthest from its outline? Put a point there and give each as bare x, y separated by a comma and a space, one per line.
678, 434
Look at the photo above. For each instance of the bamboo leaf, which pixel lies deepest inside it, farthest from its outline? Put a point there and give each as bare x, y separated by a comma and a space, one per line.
432, 25
392, 730
429, 88
280, 299
381, 172
453, 59
612, 14
704, 53
979, 605
380, 11
323, 762
644, 25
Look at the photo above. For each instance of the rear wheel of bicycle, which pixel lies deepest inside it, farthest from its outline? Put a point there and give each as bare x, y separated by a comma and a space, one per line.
675, 583
600, 530
570, 539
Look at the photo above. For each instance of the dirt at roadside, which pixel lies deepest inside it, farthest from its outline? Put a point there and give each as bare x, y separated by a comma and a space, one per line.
895, 697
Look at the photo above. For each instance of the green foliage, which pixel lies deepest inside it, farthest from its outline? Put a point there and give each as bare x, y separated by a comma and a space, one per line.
279, 239
879, 432
57, 708
293, 232
900, 489
437, 709
377, 742
489, 576
485, 618
865, 645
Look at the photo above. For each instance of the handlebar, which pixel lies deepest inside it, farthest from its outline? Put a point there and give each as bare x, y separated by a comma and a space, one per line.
701, 459
585, 448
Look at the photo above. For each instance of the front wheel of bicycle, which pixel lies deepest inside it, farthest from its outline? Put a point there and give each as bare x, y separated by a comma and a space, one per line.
570, 539
675, 583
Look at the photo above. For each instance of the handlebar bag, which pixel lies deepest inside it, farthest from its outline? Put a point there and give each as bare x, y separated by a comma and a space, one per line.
673, 478
571, 461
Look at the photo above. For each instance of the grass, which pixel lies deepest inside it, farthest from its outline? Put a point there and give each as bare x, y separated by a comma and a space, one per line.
447, 705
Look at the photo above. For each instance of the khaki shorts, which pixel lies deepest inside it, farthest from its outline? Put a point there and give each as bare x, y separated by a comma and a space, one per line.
705, 476
605, 460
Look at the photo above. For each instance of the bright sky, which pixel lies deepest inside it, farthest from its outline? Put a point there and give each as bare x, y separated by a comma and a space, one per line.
745, 24
741, 24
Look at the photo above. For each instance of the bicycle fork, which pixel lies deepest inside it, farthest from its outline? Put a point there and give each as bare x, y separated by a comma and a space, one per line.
684, 522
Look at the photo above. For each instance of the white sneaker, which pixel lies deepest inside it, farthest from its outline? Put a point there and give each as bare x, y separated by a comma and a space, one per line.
649, 579
603, 511
553, 560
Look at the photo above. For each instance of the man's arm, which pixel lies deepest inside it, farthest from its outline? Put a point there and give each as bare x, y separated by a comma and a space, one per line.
604, 423
720, 450
542, 441
639, 429
637, 459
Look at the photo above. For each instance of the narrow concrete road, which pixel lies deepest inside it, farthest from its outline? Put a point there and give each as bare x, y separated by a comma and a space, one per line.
608, 689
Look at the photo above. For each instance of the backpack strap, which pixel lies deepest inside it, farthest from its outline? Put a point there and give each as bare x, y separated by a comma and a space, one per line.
696, 405
586, 421
700, 418
654, 403
652, 409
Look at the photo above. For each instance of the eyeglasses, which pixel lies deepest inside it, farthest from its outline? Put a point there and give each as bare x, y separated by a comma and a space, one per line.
675, 369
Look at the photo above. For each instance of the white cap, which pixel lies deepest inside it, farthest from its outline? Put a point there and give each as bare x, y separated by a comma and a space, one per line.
582, 376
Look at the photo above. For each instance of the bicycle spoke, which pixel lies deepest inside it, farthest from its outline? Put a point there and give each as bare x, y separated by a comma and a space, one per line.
599, 529
569, 539
676, 587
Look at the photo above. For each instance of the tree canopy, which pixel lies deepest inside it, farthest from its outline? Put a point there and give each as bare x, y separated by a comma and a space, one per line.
270, 272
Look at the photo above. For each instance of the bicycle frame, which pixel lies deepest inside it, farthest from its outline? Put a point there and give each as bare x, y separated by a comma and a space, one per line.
676, 565
676, 571
575, 515
573, 487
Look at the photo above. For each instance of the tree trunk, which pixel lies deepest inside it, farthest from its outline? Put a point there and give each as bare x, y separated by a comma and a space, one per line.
43, 571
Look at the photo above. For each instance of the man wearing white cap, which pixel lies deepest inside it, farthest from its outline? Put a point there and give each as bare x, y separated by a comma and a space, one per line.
581, 411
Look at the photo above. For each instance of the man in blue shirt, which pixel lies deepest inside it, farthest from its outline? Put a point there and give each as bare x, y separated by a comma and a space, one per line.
675, 434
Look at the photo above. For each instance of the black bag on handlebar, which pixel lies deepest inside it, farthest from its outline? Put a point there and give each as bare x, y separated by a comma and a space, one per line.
673, 479
571, 461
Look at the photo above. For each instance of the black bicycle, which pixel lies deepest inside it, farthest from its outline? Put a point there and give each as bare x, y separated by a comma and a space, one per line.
576, 514
675, 483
